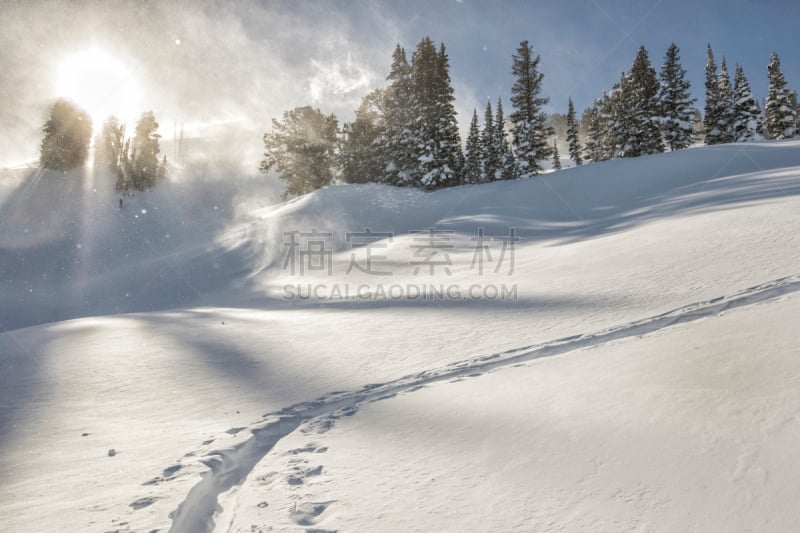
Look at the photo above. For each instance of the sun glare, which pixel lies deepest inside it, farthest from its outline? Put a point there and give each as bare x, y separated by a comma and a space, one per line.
100, 84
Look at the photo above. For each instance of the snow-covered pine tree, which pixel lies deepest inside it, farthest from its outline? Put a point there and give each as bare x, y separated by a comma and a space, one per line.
677, 104
639, 109
796, 107
473, 153
605, 120
616, 119
359, 151
491, 157
508, 167
396, 145
595, 133
781, 115
712, 106
572, 135
436, 139
556, 156
748, 124
727, 114
528, 118
450, 144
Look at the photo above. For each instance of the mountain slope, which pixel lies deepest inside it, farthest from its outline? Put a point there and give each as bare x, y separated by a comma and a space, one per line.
222, 339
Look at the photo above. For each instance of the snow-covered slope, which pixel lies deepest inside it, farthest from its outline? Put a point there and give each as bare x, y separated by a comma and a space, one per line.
67, 249
621, 271
691, 428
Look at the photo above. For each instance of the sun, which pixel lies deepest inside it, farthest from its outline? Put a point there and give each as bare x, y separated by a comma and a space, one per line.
100, 84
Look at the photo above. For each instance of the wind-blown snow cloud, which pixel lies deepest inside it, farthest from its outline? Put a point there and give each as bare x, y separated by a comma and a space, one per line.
340, 80
195, 62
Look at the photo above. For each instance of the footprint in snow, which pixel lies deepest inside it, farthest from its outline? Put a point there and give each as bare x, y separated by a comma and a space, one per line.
308, 448
169, 471
166, 475
320, 426
385, 397
267, 478
300, 477
308, 514
141, 503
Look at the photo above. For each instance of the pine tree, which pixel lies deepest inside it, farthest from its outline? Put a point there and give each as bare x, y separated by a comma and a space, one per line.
530, 132
360, 156
594, 134
796, 107
436, 138
67, 135
556, 157
617, 121
639, 110
727, 113
781, 113
572, 135
676, 102
108, 150
144, 154
712, 107
396, 146
451, 158
423, 71
508, 166
473, 153
748, 124
491, 156
302, 149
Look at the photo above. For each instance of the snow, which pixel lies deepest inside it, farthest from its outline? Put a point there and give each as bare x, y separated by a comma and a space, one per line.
643, 378
689, 428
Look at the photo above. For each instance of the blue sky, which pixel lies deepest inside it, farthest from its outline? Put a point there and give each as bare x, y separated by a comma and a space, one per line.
247, 61
585, 44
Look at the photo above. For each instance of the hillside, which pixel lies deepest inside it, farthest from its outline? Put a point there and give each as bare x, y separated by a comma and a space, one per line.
640, 374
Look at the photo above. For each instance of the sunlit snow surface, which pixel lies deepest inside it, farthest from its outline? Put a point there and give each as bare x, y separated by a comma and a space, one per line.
685, 422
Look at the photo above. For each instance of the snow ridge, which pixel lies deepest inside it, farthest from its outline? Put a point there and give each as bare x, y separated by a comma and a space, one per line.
229, 468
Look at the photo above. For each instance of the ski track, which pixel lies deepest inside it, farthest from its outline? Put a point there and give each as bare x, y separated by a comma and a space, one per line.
229, 468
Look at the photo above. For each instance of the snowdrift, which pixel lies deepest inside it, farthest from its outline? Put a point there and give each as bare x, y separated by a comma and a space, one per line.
67, 250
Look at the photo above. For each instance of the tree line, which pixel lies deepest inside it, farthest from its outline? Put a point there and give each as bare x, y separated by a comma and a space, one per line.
406, 133
133, 160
